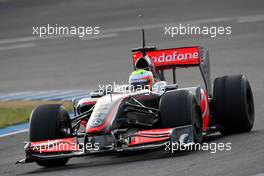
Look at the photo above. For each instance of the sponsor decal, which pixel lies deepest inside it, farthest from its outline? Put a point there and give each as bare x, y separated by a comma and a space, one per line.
212, 147
176, 56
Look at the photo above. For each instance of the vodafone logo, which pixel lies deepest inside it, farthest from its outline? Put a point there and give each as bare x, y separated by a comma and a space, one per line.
175, 56
172, 57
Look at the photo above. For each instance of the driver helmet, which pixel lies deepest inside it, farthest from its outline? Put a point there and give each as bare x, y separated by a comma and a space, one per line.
142, 79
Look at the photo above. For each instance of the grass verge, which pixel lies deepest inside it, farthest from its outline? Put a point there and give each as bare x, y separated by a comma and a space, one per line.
15, 112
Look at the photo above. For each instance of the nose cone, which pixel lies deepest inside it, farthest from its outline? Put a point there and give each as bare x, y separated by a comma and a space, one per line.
104, 113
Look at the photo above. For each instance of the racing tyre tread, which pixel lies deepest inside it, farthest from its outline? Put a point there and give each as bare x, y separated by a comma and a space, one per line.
180, 108
233, 104
48, 122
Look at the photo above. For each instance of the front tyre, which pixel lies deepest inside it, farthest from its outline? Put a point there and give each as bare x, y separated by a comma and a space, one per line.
49, 122
180, 108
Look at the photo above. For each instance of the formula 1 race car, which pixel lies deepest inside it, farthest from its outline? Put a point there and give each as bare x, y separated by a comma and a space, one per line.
122, 119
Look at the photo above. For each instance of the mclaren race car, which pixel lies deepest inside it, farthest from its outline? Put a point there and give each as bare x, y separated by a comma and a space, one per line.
126, 119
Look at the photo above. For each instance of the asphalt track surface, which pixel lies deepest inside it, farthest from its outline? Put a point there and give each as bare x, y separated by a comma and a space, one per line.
71, 63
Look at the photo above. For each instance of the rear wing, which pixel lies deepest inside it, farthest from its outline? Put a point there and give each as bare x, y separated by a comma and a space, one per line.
162, 59
169, 58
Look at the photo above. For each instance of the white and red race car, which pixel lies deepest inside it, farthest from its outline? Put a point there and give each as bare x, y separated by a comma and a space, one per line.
128, 121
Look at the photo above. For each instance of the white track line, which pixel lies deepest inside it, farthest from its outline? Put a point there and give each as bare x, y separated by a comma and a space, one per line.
15, 94
259, 174
252, 18
19, 46
113, 32
16, 40
100, 36
160, 25
13, 133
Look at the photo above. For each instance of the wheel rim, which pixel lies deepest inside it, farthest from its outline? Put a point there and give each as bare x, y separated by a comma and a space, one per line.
250, 104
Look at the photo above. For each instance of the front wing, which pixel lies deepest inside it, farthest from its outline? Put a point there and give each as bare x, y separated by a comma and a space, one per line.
141, 140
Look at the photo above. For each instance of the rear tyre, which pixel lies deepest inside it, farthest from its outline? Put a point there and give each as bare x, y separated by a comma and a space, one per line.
233, 104
179, 108
49, 122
